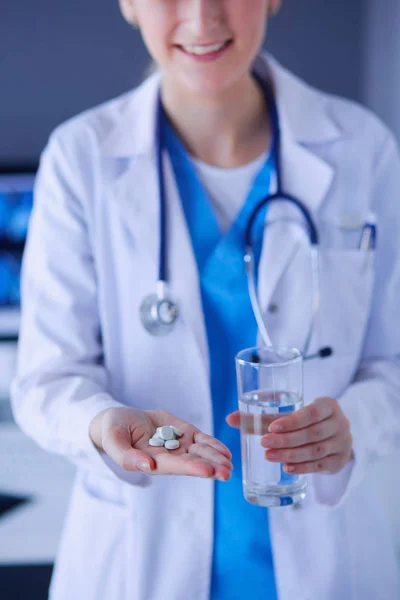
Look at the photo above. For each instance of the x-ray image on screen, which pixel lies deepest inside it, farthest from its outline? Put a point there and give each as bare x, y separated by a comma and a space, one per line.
16, 201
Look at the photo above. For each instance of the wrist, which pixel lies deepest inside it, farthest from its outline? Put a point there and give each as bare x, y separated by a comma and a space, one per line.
96, 429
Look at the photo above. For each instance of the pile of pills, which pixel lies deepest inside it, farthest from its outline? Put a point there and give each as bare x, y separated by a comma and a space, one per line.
166, 436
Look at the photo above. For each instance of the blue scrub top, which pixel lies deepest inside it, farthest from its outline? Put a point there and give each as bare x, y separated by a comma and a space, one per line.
242, 558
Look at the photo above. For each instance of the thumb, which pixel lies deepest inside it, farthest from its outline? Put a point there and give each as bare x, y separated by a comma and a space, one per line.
118, 446
234, 420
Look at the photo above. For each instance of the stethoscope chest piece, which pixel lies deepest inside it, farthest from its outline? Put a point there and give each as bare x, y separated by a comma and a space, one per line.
158, 315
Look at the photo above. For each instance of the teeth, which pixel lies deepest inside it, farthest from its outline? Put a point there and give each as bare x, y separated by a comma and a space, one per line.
200, 50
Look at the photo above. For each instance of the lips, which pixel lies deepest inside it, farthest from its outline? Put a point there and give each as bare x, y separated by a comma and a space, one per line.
201, 50
205, 52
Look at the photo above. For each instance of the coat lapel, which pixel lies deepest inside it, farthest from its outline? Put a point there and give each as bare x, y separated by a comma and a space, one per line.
305, 175
184, 278
282, 237
130, 173
131, 143
135, 194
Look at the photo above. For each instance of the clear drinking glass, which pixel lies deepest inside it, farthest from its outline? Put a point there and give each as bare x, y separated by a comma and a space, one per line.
270, 384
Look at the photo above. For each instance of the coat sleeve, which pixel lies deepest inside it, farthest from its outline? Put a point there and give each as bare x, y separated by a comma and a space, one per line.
372, 402
60, 383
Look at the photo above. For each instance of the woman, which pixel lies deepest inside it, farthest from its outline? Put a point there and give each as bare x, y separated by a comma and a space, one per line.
93, 385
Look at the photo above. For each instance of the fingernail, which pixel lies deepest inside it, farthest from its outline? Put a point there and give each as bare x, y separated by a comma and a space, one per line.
289, 469
143, 466
274, 428
267, 441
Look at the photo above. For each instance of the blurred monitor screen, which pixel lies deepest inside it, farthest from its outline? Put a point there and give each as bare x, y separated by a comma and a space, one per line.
16, 199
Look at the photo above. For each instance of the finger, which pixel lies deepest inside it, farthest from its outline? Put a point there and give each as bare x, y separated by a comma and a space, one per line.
222, 473
321, 409
309, 452
251, 424
314, 433
117, 444
169, 463
209, 454
234, 419
331, 464
203, 438
192, 432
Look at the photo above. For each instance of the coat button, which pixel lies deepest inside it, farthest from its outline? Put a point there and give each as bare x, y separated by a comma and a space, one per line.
273, 308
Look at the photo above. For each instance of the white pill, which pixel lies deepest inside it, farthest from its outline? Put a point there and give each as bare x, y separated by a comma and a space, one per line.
156, 441
166, 433
172, 444
177, 432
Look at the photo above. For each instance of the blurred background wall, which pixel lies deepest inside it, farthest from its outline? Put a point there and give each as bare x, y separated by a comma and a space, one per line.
59, 58
381, 57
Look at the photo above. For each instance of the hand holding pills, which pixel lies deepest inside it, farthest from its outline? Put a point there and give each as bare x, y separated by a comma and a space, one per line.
156, 442
166, 437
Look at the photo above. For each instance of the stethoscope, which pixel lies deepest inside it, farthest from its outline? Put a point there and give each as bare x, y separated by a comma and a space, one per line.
159, 312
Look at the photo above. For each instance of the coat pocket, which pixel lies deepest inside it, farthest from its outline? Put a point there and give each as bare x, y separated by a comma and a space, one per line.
91, 558
346, 283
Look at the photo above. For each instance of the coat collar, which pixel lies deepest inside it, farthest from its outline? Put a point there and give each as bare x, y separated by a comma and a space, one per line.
131, 131
306, 120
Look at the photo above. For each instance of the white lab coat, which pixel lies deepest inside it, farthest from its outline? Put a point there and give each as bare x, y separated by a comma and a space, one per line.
91, 258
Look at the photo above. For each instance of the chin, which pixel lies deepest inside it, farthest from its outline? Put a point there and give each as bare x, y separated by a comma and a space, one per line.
209, 84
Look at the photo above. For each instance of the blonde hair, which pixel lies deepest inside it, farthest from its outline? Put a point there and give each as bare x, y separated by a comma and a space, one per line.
127, 12
129, 17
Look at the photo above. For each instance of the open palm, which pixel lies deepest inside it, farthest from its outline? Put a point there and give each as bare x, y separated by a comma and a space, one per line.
125, 437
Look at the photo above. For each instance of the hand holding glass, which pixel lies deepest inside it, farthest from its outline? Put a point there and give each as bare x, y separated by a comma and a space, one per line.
270, 384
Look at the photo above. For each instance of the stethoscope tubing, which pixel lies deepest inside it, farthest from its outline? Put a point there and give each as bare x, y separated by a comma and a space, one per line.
162, 295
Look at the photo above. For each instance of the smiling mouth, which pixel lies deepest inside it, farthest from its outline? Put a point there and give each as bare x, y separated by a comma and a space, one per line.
203, 50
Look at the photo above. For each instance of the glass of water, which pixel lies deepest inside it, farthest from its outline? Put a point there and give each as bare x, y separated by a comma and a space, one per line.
270, 385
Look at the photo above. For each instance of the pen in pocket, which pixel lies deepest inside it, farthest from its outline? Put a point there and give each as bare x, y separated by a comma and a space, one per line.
368, 236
